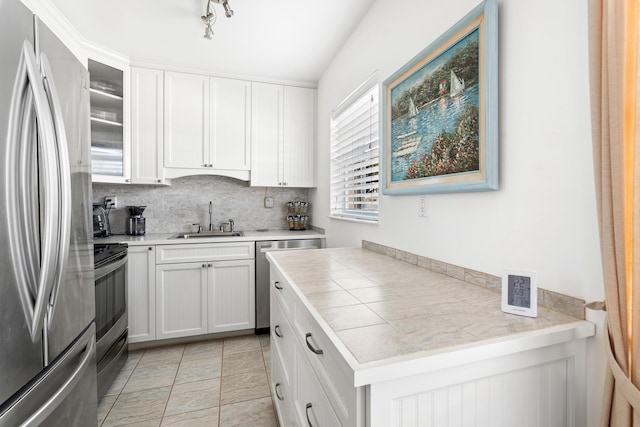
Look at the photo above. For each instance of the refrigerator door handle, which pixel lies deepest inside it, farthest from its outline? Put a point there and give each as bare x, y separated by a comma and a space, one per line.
34, 301
63, 181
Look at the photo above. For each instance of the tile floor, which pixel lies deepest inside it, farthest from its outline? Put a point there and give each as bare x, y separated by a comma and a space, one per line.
222, 382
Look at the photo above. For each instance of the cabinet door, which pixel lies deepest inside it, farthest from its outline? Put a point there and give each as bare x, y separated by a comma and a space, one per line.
181, 300
299, 137
109, 107
230, 124
147, 125
186, 125
267, 102
141, 293
231, 295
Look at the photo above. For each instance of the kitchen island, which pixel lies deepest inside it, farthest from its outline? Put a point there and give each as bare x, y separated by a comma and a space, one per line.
362, 339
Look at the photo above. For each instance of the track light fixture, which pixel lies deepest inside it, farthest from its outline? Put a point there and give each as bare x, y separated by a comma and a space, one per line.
209, 17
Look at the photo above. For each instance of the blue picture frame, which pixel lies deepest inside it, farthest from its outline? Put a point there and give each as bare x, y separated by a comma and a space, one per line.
440, 112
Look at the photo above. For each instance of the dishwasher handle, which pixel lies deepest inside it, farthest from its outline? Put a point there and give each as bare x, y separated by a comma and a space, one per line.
265, 250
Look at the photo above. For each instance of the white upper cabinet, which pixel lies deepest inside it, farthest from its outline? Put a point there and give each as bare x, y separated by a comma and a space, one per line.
230, 124
267, 105
186, 124
299, 137
207, 126
282, 136
109, 103
147, 126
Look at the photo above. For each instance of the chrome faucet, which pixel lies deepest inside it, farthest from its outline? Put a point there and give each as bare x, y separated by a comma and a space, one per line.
210, 212
230, 225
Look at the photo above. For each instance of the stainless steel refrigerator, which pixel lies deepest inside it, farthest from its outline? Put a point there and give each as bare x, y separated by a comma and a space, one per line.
47, 305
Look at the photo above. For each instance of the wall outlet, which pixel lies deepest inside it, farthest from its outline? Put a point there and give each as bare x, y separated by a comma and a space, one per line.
268, 202
110, 202
422, 206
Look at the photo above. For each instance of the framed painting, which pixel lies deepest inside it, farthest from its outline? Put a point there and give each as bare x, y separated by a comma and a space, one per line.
440, 112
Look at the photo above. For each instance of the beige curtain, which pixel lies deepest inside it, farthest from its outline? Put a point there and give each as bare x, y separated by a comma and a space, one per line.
613, 31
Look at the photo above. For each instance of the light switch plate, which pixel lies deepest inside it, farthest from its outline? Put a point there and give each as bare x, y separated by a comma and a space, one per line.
422, 207
268, 202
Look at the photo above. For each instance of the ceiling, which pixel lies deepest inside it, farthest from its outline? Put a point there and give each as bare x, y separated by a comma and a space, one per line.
278, 40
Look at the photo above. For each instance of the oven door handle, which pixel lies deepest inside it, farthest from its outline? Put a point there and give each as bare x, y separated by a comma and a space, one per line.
109, 268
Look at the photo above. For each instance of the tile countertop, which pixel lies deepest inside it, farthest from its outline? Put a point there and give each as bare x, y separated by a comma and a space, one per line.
249, 236
389, 318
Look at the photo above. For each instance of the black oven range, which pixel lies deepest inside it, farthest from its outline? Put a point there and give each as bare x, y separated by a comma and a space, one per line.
110, 263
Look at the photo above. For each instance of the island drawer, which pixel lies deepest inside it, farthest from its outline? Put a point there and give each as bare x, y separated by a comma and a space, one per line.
282, 392
327, 363
282, 291
283, 340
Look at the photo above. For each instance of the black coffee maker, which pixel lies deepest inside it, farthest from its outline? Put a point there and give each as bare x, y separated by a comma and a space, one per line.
135, 222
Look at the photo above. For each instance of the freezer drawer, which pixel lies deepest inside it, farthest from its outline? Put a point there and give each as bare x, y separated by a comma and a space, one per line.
63, 394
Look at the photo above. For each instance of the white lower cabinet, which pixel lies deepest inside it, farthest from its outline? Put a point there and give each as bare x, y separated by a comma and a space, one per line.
231, 295
181, 300
141, 293
211, 293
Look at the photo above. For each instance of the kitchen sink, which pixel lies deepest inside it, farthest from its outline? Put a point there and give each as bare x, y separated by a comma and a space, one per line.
207, 234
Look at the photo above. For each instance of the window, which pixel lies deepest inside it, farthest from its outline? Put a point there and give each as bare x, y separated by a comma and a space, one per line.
355, 155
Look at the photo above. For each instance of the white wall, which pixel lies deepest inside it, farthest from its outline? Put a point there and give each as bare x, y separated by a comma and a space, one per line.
543, 217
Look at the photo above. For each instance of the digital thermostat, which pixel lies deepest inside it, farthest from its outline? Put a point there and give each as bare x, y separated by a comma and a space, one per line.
520, 292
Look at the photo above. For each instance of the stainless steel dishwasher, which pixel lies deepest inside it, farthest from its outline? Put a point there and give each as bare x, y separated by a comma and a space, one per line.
262, 273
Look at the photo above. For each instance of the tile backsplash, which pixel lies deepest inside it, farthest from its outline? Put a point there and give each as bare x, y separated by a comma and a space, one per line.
175, 208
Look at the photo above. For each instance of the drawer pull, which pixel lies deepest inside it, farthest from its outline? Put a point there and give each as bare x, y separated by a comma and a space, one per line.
277, 285
278, 394
312, 348
276, 330
307, 412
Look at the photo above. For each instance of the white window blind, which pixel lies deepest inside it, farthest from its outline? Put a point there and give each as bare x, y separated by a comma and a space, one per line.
355, 155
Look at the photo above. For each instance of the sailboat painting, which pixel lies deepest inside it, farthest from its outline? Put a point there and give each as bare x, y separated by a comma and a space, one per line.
436, 114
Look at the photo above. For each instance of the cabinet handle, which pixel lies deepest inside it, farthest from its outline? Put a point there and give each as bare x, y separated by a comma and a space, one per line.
312, 348
204, 265
277, 285
278, 394
150, 248
307, 412
276, 330
209, 265
159, 181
